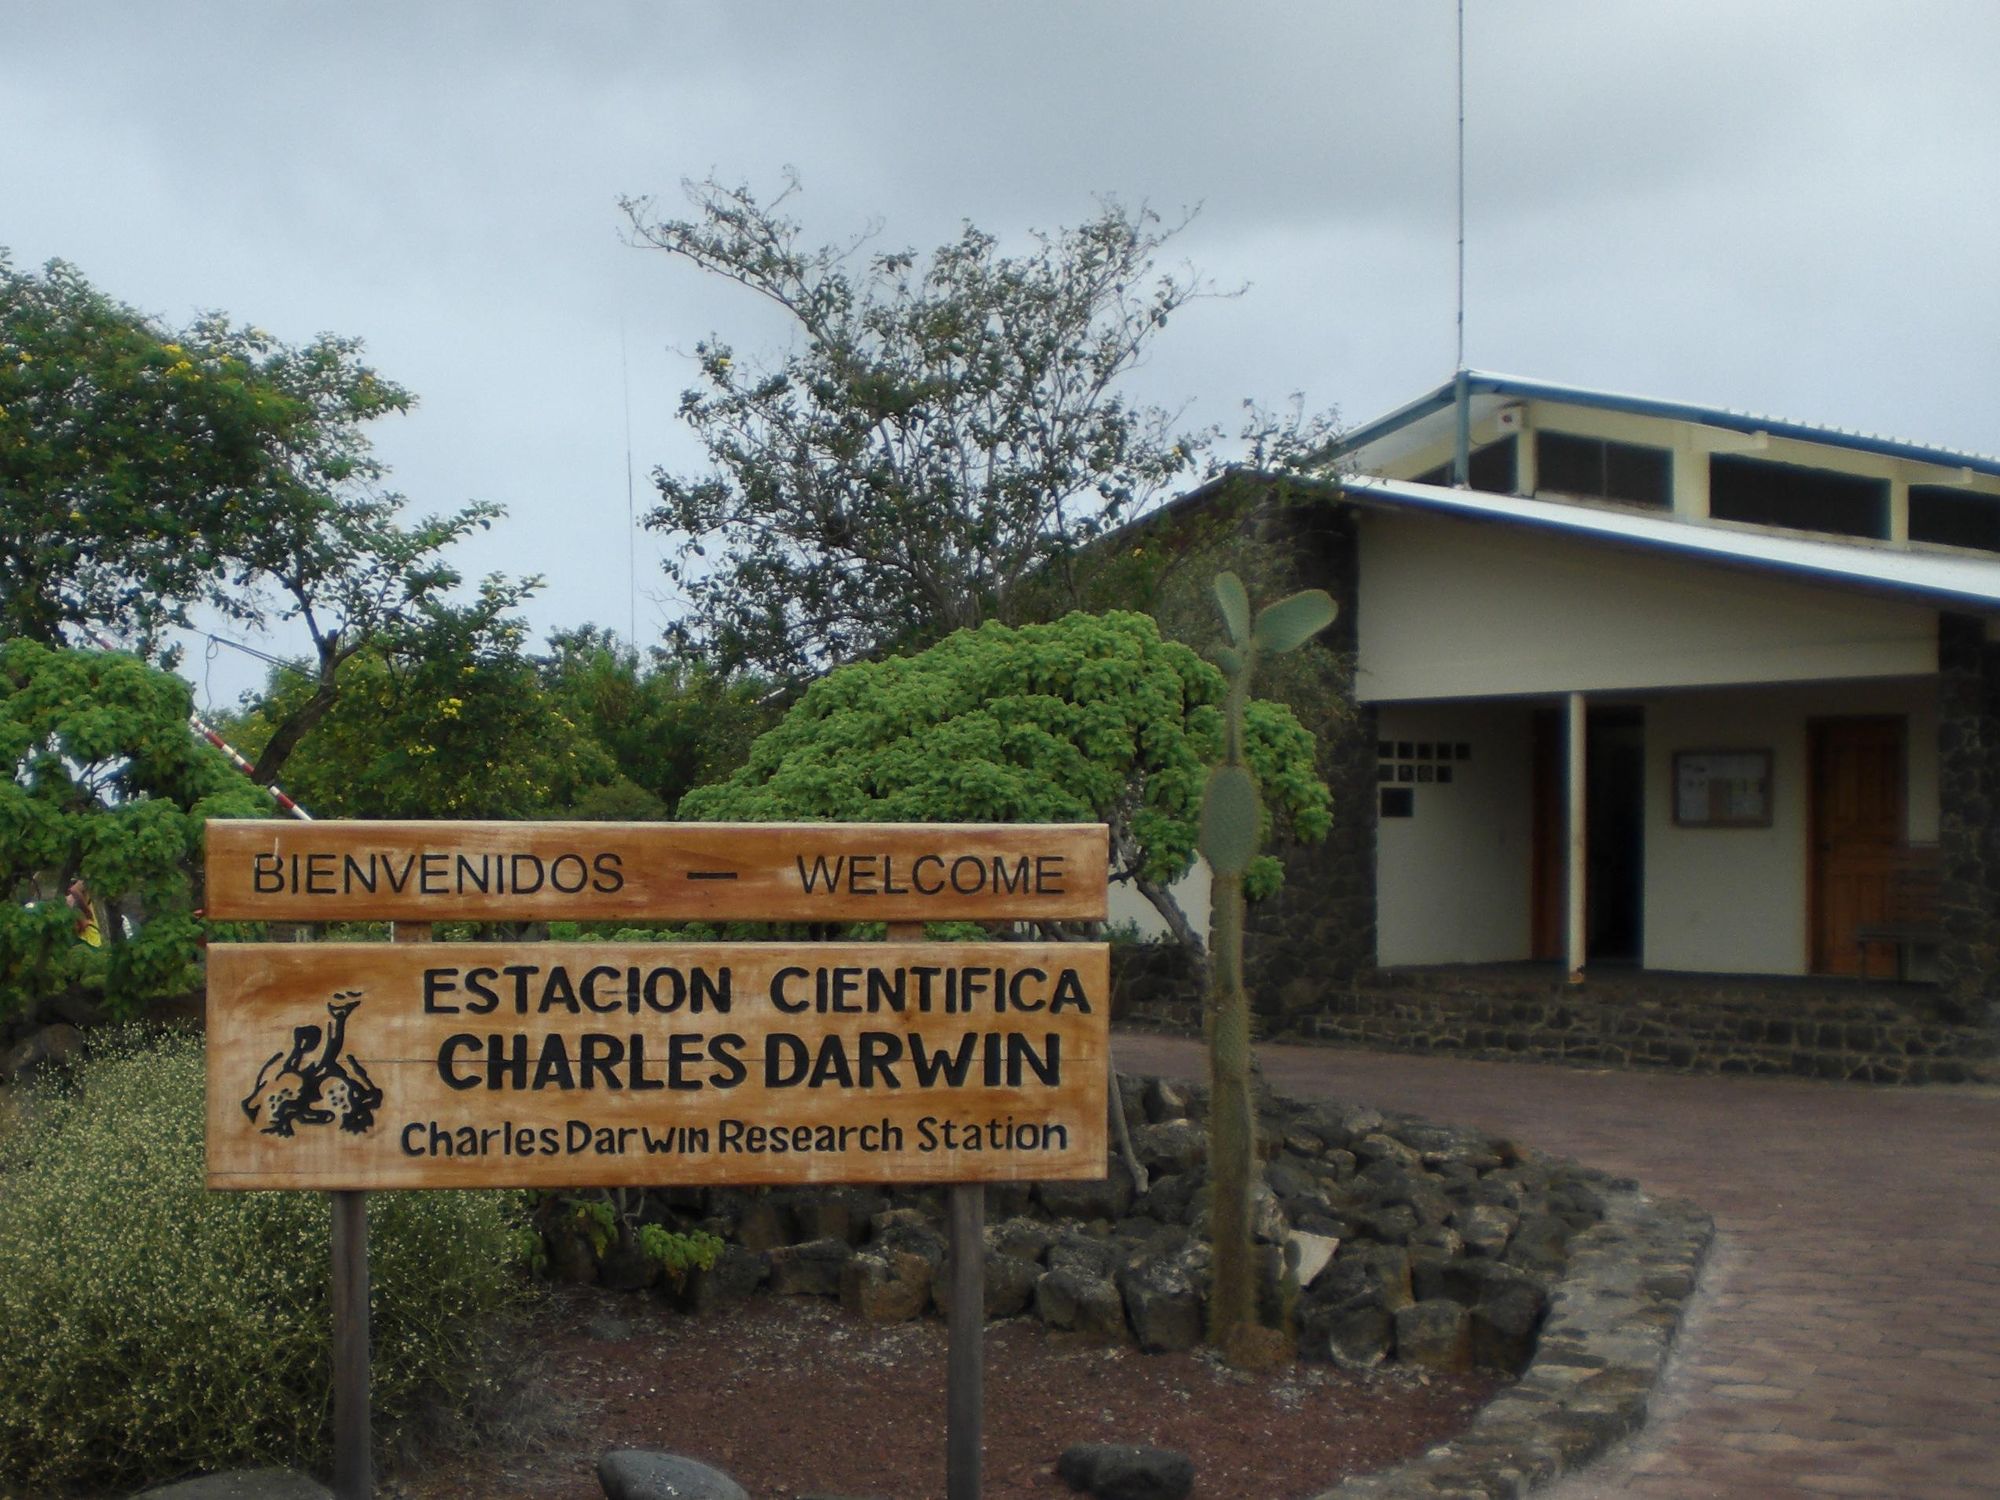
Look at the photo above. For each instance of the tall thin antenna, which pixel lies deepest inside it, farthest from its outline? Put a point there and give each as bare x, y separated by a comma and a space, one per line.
1460, 363
631, 511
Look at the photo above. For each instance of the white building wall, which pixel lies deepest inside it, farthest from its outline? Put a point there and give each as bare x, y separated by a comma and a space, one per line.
1735, 900
1457, 609
1452, 879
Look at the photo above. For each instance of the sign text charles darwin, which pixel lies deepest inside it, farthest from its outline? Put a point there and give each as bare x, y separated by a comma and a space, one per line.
371, 1065
420, 872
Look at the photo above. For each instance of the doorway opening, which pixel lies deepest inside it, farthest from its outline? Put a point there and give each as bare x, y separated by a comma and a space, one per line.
1615, 837
1614, 833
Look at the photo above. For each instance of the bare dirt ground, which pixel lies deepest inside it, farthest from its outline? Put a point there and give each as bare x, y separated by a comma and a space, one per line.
793, 1397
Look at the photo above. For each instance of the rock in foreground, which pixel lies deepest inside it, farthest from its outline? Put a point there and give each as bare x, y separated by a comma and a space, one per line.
244, 1484
638, 1474
1126, 1471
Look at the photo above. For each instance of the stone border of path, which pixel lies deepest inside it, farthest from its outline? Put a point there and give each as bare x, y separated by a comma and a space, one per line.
1603, 1347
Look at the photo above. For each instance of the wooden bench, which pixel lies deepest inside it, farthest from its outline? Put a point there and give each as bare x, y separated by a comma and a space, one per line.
1910, 917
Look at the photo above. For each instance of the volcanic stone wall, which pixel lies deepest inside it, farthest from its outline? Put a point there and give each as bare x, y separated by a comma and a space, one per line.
1968, 829
1321, 925
1727, 1026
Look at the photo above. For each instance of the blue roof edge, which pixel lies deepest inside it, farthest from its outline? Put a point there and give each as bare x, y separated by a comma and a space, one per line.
1486, 383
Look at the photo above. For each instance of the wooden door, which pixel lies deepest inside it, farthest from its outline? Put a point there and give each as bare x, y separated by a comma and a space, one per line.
1858, 830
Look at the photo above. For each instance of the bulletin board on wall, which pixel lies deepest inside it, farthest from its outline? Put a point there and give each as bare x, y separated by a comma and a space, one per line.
1722, 788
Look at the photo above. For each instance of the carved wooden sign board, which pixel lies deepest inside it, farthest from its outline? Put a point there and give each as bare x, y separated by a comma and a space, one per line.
719, 872
377, 1065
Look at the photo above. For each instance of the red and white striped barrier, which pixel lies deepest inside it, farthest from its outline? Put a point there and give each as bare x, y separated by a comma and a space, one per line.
196, 723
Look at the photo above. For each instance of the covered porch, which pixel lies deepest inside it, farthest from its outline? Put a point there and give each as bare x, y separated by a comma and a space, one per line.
1768, 829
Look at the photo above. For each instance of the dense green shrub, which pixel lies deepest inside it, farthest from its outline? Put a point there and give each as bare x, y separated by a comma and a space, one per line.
1088, 718
154, 1328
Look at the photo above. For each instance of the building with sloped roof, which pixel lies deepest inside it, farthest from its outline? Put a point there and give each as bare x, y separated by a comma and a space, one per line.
1645, 686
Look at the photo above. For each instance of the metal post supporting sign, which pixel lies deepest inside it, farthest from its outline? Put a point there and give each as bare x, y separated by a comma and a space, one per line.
965, 1356
353, 1459
353, 1429
965, 1322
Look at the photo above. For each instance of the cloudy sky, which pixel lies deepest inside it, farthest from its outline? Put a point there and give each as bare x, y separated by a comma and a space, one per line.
1783, 207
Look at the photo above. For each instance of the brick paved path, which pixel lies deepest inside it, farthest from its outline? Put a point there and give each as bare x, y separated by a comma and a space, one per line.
1847, 1337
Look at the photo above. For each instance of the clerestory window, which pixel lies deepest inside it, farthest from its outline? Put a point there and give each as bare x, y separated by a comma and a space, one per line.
1955, 517
1598, 469
1490, 469
1774, 494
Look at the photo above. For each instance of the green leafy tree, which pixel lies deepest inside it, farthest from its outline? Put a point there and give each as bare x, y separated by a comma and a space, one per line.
668, 726
145, 470
1089, 718
105, 785
1233, 815
137, 462
943, 444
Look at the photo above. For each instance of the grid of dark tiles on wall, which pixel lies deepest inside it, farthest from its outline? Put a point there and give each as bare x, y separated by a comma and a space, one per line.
1403, 765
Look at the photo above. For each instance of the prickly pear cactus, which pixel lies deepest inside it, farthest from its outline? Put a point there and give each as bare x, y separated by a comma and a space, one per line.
1232, 816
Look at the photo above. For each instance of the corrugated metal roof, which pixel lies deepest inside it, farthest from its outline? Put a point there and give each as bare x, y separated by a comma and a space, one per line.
1511, 387
1965, 582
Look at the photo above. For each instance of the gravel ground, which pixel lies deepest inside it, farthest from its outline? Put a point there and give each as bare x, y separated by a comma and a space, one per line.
793, 1397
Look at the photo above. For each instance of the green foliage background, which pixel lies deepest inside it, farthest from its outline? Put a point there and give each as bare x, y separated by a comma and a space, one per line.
155, 1329
667, 726
462, 729
1164, 567
108, 784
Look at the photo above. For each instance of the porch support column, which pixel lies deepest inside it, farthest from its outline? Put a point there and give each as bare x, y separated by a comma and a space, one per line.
1574, 866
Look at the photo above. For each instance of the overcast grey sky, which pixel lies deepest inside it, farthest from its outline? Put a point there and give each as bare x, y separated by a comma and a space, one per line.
1783, 207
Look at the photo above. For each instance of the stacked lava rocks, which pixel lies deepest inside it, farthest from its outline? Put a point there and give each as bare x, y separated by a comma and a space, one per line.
1382, 1237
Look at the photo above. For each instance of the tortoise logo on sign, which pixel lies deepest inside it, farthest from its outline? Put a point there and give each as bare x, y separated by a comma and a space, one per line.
316, 1082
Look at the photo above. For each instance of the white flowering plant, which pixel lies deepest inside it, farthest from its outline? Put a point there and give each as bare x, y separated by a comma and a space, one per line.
155, 1328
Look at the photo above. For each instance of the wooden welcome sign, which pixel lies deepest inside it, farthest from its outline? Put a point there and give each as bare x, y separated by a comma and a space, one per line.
351, 1066
374, 1065
346, 1065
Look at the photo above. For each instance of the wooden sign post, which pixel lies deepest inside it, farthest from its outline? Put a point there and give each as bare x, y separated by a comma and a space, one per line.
352, 1066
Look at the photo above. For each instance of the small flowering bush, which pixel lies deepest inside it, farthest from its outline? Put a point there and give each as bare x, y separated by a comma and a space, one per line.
154, 1328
